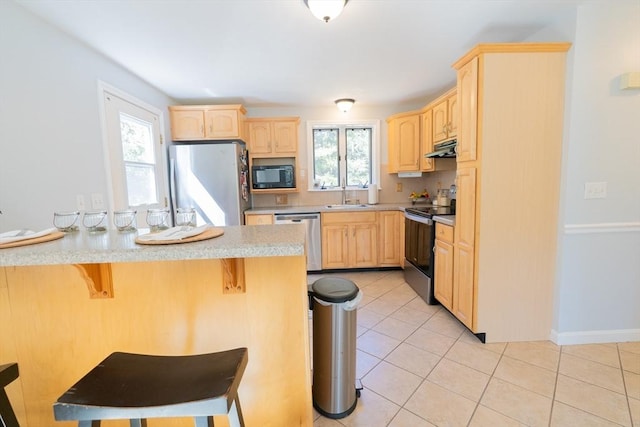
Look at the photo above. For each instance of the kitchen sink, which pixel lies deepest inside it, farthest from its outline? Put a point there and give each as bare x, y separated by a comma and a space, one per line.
347, 206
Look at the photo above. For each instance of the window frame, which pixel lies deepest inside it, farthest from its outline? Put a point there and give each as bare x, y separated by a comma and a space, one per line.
115, 174
343, 124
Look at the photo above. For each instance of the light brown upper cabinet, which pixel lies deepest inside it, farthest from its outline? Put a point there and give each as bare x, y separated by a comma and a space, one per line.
426, 141
445, 117
206, 122
467, 93
273, 137
404, 142
412, 134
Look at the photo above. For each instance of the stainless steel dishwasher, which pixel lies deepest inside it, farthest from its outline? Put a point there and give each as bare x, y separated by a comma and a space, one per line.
311, 221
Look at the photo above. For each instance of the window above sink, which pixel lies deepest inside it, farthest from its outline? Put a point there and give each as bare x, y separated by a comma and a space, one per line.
347, 149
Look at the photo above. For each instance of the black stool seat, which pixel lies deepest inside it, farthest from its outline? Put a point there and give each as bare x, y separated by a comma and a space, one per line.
8, 373
136, 387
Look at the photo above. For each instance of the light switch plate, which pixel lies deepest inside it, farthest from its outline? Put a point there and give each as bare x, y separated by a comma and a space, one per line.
595, 190
97, 202
80, 202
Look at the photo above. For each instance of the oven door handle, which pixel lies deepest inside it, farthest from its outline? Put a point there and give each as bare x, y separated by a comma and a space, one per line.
417, 218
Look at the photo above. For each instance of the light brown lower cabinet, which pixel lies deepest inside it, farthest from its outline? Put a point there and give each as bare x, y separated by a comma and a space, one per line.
391, 238
356, 239
349, 240
443, 274
464, 249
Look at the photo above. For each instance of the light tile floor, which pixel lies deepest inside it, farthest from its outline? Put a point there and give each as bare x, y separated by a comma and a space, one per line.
420, 367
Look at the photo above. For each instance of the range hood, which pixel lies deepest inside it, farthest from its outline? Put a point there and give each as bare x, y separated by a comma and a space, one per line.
446, 149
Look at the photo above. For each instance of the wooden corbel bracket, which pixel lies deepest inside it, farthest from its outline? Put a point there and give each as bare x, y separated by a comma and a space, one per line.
98, 279
233, 281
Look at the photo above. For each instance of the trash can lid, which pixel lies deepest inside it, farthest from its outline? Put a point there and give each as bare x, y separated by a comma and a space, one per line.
334, 289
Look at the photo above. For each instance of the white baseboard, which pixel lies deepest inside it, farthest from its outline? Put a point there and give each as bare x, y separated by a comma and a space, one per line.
594, 337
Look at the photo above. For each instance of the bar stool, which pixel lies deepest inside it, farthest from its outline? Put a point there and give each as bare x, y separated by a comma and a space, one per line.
8, 373
137, 387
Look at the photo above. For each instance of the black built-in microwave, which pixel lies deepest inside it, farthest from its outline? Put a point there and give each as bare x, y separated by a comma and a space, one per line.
273, 176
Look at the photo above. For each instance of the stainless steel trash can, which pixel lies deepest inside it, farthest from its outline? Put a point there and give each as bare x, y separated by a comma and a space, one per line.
334, 303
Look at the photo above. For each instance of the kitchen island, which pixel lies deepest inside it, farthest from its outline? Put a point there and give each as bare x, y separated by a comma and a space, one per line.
67, 304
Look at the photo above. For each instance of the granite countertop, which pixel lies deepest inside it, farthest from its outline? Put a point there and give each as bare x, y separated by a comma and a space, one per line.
81, 247
445, 219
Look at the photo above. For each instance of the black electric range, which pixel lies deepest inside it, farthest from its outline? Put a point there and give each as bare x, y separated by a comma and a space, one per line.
419, 248
430, 211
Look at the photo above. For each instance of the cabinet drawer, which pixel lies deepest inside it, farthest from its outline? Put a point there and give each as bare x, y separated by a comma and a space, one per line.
348, 217
258, 219
444, 232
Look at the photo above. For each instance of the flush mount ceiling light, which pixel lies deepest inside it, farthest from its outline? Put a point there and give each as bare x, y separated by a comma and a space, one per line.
326, 10
345, 104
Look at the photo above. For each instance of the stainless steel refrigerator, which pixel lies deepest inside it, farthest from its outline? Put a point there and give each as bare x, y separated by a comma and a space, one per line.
212, 178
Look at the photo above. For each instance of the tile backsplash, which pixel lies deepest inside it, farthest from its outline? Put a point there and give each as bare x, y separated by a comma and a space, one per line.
387, 194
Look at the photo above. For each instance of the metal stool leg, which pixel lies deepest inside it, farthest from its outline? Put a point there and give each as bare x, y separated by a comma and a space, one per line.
138, 422
235, 414
204, 421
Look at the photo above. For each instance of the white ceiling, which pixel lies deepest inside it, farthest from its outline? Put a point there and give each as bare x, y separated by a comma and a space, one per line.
275, 53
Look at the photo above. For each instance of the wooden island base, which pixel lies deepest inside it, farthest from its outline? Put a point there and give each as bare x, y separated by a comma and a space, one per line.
56, 333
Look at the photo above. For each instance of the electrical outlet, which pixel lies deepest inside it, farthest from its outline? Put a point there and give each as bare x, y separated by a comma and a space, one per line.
399, 187
281, 199
80, 202
595, 190
96, 201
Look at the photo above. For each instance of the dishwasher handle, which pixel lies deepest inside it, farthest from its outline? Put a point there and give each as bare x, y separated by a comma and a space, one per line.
296, 218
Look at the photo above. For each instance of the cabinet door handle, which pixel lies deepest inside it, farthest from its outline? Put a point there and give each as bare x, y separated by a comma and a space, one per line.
444, 128
450, 126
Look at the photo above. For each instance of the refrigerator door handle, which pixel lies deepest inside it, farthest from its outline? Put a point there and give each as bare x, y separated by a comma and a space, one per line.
172, 186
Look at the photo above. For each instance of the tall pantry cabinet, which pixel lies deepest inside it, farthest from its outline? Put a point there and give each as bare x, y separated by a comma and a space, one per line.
510, 105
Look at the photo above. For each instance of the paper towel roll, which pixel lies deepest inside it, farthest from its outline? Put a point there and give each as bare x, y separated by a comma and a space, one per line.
373, 194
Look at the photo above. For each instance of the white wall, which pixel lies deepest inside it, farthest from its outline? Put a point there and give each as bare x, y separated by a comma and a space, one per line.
50, 133
598, 280
599, 287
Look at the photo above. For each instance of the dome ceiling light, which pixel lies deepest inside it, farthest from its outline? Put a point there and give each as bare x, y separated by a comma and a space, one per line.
326, 10
345, 104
